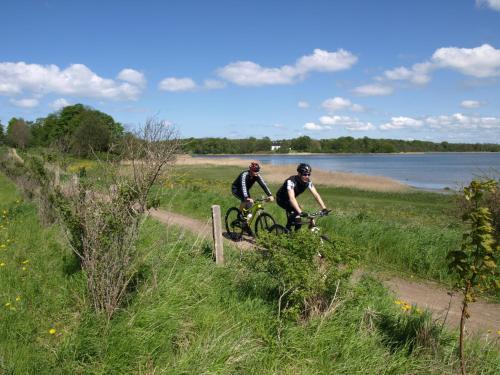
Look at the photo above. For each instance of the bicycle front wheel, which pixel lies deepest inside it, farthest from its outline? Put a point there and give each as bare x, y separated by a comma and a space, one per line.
263, 223
278, 229
234, 225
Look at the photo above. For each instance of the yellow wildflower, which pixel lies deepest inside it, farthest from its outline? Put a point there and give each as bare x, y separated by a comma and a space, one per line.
2, 246
25, 261
406, 307
7, 304
52, 331
24, 268
2, 264
498, 332
398, 302
18, 298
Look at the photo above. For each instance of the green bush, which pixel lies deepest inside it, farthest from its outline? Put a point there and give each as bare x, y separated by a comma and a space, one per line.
304, 270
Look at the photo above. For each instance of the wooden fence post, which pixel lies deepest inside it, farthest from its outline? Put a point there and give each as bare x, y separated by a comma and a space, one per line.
217, 232
57, 176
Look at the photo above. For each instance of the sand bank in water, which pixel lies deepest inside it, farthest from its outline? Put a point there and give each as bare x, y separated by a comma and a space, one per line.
278, 173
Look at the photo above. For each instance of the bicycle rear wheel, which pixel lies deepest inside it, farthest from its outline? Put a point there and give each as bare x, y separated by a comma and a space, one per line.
263, 223
234, 225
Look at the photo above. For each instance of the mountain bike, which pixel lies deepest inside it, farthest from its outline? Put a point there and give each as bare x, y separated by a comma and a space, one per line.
238, 222
279, 229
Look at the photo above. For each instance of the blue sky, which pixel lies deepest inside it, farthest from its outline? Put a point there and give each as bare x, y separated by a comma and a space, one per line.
403, 69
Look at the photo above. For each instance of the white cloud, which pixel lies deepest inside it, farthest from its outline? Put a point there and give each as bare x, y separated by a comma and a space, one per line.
418, 74
481, 62
461, 121
449, 123
278, 126
402, 122
324, 61
249, 73
374, 89
132, 76
470, 104
350, 123
493, 4
335, 104
314, 127
76, 80
213, 84
25, 103
338, 103
177, 84
303, 104
59, 103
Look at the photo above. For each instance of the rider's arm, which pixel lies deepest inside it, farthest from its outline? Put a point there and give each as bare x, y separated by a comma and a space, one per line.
317, 197
293, 201
244, 189
264, 187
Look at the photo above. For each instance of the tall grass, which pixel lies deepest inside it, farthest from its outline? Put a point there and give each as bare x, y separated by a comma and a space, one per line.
188, 316
407, 233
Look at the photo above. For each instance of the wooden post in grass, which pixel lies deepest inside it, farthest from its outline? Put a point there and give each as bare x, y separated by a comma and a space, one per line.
57, 176
217, 232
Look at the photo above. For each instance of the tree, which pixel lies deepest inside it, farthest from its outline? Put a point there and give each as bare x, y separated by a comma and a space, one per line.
92, 134
303, 144
474, 265
2, 134
65, 129
18, 133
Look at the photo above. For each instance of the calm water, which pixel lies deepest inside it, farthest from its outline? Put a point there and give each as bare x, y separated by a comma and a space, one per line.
428, 171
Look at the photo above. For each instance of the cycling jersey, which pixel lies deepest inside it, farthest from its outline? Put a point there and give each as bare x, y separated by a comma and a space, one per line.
283, 200
244, 182
292, 182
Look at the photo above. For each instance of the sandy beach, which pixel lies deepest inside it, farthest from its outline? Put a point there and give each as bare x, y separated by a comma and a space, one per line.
277, 174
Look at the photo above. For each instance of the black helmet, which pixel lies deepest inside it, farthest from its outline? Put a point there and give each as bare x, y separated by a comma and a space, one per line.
304, 168
254, 167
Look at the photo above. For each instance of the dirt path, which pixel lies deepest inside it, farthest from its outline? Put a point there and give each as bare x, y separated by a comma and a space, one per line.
485, 317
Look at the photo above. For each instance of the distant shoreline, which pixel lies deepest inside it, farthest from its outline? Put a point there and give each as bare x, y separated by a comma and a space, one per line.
348, 153
278, 173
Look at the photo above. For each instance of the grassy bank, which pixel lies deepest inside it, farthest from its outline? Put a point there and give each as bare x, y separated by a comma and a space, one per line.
185, 315
408, 233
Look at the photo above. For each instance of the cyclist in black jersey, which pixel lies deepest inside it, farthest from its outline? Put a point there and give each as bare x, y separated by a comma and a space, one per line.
244, 182
291, 189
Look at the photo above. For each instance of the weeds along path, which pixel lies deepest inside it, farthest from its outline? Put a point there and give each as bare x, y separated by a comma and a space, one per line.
202, 229
485, 317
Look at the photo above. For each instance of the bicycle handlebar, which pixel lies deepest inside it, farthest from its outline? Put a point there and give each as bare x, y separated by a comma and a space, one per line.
316, 214
261, 199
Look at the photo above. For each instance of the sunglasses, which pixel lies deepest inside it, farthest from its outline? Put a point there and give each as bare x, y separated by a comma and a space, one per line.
305, 174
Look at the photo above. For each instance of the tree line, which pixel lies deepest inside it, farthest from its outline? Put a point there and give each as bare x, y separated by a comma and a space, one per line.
81, 130
332, 145
76, 129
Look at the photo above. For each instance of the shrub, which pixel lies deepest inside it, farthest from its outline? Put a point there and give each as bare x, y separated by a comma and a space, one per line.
103, 223
306, 271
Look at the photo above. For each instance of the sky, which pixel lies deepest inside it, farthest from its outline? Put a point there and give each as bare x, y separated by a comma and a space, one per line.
399, 69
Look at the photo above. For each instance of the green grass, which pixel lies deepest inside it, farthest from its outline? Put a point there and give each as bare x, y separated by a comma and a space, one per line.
187, 316
407, 233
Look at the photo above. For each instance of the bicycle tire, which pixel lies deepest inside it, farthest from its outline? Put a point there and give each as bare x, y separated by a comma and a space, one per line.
263, 223
234, 225
278, 229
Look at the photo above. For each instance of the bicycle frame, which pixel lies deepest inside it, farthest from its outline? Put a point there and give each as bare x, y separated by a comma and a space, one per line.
255, 210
